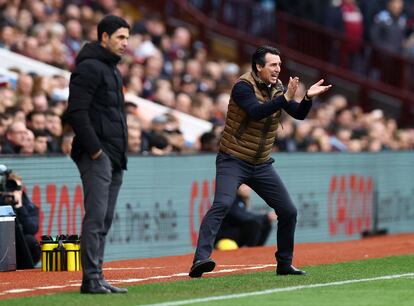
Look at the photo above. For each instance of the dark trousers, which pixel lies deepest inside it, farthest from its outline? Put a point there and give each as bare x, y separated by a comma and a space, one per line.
28, 250
231, 172
101, 184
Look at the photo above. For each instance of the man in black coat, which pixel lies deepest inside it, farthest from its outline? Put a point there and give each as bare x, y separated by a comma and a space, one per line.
95, 112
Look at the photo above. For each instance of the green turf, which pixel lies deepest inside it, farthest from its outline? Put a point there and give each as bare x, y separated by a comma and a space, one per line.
391, 292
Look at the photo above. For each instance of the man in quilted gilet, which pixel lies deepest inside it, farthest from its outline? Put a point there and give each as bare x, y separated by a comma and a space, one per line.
257, 100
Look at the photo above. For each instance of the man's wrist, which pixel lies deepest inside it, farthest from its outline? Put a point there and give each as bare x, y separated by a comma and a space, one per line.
97, 154
307, 96
287, 98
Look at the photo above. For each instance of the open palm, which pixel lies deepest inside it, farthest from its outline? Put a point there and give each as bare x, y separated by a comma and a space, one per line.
317, 89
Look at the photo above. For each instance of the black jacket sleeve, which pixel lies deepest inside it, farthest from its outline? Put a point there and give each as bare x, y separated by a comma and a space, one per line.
83, 84
298, 110
244, 96
28, 216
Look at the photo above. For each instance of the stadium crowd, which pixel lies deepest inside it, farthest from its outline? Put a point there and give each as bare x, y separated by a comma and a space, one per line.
170, 68
387, 24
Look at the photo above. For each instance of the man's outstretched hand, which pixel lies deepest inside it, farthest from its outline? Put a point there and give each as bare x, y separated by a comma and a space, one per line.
317, 89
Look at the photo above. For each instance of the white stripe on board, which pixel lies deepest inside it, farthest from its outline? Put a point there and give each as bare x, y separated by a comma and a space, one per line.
275, 290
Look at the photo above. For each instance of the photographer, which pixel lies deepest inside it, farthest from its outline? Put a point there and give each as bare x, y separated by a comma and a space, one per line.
27, 220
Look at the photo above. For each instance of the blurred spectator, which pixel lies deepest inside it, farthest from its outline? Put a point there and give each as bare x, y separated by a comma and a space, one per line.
180, 44
183, 103
134, 85
152, 71
345, 16
134, 141
7, 98
173, 133
73, 40
388, 27
28, 143
285, 141
138, 141
40, 142
302, 135
54, 130
24, 86
40, 102
202, 107
369, 9
221, 104
5, 121
131, 107
158, 144
14, 138
25, 104
36, 120
208, 143
340, 140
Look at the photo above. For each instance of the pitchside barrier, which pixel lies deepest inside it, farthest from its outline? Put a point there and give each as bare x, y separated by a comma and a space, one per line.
339, 196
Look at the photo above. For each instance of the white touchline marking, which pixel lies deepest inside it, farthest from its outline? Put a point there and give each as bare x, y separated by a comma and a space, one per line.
135, 268
132, 280
50, 287
71, 283
18, 290
275, 290
249, 265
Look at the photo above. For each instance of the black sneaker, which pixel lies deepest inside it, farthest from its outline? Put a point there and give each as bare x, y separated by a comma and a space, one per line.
93, 286
201, 266
111, 288
289, 270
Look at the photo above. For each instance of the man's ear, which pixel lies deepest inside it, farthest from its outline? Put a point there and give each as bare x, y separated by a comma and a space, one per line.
258, 67
105, 37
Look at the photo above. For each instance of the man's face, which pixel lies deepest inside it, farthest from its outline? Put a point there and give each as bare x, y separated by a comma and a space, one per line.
117, 42
17, 134
269, 73
38, 122
54, 125
134, 140
40, 145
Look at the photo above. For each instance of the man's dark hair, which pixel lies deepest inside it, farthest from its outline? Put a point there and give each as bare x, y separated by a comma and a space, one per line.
258, 56
208, 142
110, 24
33, 113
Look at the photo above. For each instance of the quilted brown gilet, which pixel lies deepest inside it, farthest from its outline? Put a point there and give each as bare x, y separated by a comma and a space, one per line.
248, 139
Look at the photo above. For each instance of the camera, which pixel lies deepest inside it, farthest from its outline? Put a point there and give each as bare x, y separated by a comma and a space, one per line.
7, 187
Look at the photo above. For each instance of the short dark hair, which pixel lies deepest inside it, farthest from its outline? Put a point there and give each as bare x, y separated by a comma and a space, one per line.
258, 56
110, 24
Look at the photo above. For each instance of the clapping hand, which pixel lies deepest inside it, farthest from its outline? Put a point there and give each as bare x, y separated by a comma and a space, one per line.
291, 88
317, 89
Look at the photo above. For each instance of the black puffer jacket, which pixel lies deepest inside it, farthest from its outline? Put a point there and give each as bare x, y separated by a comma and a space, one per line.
96, 103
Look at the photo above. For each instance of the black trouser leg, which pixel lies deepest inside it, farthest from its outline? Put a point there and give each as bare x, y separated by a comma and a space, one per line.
268, 185
99, 203
112, 198
230, 174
